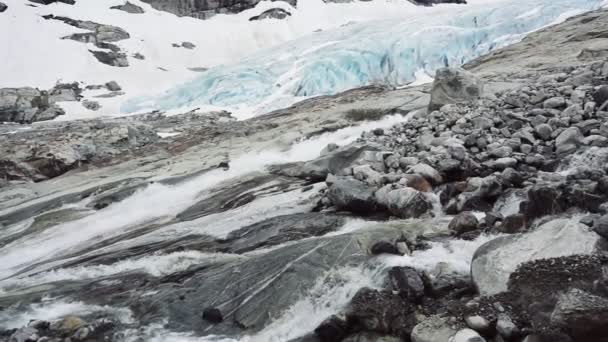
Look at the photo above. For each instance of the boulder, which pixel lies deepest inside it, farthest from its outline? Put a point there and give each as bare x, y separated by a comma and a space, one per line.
273, 13
352, 195
426, 171
406, 282
3, 7
381, 312
129, 8
583, 315
113, 86
337, 160
463, 223
467, 335
370, 337
416, 182
111, 58
555, 103
568, 141
384, 247
454, 85
496, 260
188, 45
433, 329
478, 324
601, 226
408, 203
332, 329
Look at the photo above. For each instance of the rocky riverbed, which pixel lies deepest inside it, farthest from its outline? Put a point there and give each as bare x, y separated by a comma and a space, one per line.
471, 209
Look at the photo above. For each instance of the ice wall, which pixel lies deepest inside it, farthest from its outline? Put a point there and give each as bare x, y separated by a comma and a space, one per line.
377, 52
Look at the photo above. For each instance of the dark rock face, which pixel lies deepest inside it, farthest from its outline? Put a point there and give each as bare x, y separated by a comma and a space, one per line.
273, 13
129, 8
434, 2
47, 2
111, 58
205, 9
101, 35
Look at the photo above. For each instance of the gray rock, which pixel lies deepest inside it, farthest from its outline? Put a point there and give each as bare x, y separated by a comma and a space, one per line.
555, 103
365, 173
582, 314
463, 223
337, 160
273, 13
91, 105
408, 203
204, 9
381, 312
188, 45
405, 162
601, 226
504, 163
384, 247
433, 329
494, 262
25, 334
467, 335
454, 85
370, 337
3, 7
505, 327
426, 171
129, 8
543, 131
352, 195
111, 58
568, 140
406, 282
113, 86
478, 323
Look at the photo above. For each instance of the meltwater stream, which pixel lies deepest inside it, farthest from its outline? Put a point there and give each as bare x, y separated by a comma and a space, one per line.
388, 52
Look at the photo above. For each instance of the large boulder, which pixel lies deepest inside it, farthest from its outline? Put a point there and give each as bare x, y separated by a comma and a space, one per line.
583, 315
408, 203
352, 195
568, 140
495, 261
380, 312
454, 85
433, 329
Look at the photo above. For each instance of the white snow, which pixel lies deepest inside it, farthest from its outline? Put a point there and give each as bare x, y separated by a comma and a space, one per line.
380, 41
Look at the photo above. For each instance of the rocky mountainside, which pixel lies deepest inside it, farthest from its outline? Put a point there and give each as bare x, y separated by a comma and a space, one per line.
470, 209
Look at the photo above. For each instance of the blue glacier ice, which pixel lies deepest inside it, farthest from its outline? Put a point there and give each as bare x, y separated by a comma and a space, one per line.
377, 52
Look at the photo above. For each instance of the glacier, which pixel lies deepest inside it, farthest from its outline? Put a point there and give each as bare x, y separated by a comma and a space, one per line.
388, 52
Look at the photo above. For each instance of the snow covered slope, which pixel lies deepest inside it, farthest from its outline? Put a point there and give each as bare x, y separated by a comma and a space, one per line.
33, 53
257, 66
